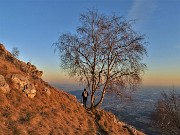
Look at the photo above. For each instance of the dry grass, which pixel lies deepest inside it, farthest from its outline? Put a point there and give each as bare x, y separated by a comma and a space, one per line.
57, 114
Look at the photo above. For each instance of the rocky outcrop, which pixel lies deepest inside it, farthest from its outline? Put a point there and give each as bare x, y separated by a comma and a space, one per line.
4, 87
19, 81
132, 130
27, 68
23, 84
33, 70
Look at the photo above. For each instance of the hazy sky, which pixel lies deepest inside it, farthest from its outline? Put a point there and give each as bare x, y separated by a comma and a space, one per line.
34, 25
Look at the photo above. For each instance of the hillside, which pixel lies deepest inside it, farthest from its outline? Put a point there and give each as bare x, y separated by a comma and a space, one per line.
30, 106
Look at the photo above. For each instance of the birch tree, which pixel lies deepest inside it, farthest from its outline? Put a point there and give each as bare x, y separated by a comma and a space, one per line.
105, 53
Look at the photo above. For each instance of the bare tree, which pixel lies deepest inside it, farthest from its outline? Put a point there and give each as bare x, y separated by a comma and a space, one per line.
167, 113
105, 53
15, 52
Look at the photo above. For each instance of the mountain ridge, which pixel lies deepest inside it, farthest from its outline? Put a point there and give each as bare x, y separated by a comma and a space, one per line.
29, 105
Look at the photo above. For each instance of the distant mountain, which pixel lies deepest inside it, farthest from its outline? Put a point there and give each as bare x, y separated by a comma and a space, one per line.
30, 106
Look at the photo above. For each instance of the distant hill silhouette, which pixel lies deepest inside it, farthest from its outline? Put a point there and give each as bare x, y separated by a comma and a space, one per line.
30, 106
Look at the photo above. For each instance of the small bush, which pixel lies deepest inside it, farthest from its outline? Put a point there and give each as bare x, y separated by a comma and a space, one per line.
105, 124
6, 112
26, 118
15, 52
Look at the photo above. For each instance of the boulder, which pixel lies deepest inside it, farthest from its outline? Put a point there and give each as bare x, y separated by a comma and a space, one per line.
47, 91
30, 92
23, 84
4, 87
20, 81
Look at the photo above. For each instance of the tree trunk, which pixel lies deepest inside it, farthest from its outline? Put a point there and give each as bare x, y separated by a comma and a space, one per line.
101, 100
92, 100
102, 96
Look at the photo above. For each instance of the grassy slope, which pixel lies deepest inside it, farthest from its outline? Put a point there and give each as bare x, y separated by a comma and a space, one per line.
59, 113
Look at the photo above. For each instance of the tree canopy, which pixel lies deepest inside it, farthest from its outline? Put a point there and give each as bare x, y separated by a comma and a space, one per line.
105, 53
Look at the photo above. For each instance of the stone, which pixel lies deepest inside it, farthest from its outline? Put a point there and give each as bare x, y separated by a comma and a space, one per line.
23, 84
31, 93
131, 129
19, 81
4, 87
37, 74
47, 91
31, 70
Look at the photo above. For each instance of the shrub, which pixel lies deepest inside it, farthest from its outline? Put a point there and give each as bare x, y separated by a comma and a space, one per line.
167, 113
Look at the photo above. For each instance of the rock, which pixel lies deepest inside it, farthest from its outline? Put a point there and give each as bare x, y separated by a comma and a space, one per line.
4, 87
115, 120
19, 81
23, 67
47, 91
131, 129
31, 93
37, 74
23, 84
32, 70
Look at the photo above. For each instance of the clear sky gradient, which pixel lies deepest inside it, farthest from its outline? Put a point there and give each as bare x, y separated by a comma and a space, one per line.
34, 25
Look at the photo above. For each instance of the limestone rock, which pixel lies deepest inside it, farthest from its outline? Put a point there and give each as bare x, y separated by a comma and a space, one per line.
30, 92
19, 81
47, 91
32, 70
4, 87
23, 84
37, 74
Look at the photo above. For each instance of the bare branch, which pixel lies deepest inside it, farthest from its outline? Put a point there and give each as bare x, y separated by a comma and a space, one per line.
106, 52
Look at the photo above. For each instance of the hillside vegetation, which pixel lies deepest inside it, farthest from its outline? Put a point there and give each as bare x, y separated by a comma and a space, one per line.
30, 106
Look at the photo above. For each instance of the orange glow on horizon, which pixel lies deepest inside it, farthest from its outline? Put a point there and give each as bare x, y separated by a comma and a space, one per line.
159, 79
149, 79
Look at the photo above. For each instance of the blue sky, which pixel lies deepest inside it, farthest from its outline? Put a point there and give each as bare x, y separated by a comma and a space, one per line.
33, 25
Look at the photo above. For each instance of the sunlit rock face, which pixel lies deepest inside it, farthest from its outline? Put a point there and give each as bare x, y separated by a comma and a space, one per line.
23, 84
